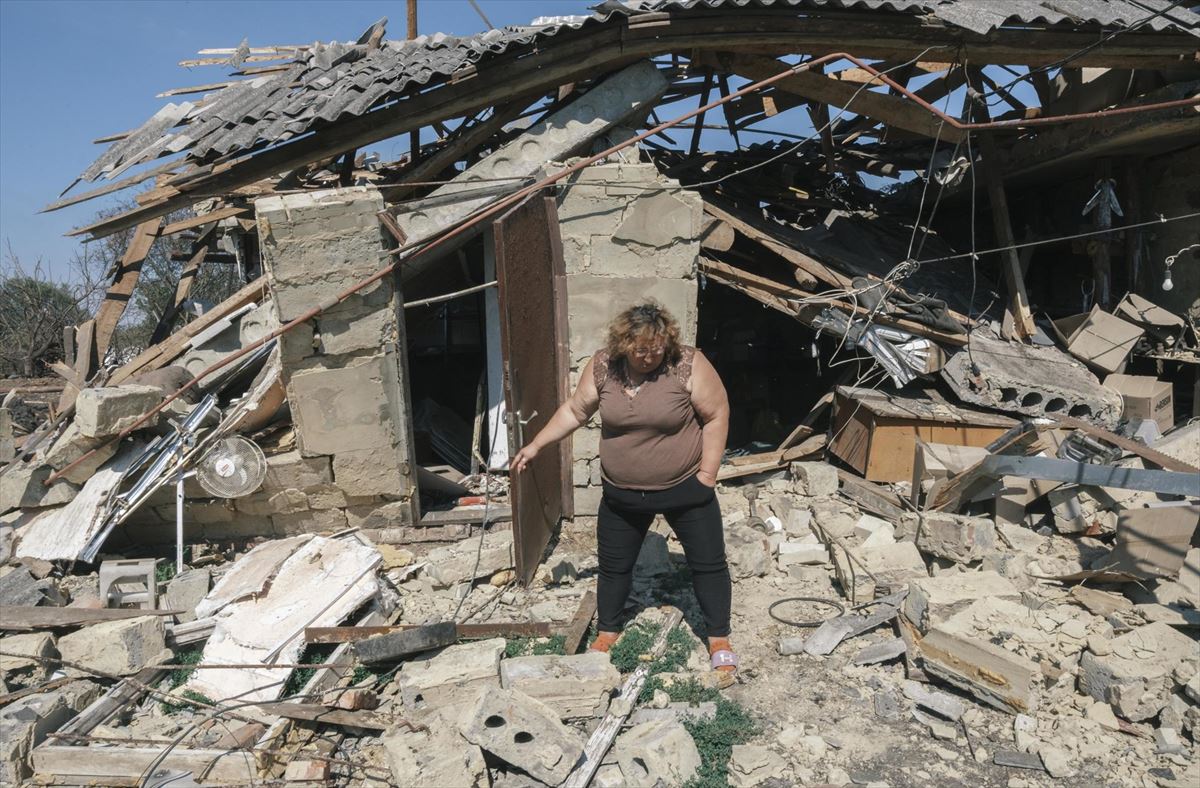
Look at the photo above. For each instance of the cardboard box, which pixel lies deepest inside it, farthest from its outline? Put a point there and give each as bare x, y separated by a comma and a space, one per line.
876, 433
1145, 312
1145, 398
1099, 339
1153, 541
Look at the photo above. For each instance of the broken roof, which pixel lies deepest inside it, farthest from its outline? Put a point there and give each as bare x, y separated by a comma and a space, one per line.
325, 83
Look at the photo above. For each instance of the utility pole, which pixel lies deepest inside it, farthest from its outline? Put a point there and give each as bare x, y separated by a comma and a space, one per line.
414, 136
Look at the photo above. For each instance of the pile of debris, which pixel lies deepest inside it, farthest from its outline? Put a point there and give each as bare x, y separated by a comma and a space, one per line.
280, 543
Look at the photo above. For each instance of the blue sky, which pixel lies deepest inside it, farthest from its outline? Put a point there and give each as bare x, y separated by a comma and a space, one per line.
74, 71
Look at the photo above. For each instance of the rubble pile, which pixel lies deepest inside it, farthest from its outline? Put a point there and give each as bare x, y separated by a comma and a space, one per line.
961, 482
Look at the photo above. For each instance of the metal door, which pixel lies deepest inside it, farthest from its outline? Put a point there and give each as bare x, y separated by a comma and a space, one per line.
533, 335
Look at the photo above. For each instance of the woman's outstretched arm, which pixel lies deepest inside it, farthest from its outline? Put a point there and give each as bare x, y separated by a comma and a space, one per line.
712, 406
570, 416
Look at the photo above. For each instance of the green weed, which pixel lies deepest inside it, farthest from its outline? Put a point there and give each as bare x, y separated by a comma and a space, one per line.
535, 647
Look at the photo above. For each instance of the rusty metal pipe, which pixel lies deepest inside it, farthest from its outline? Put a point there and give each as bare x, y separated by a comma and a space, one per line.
503, 203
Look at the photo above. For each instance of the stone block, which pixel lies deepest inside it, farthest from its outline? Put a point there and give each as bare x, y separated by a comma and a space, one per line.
449, 566
585, 209
1136, 678
525, 733
452, 677
657, 752
802, 553
26, 722
185, 591
107, 410
433, 758
953, 536
348, 330
869, 524
748, 552
36, 646
19, 587
244, 526
932, 600
587, 501
120, 647
396, 514
574, 686
287, 502
814, 478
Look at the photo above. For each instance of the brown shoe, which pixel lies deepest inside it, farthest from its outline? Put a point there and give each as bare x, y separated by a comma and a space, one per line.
604, 641
724, 661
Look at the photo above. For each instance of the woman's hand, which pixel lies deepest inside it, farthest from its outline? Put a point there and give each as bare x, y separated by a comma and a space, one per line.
706, 478
523, 458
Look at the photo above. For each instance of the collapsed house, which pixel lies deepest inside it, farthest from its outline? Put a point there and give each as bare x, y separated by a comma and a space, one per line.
958, 333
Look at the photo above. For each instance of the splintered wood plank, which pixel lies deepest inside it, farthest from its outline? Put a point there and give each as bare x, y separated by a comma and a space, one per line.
27, 618
575, 631
121, 289
59, 764
205, 218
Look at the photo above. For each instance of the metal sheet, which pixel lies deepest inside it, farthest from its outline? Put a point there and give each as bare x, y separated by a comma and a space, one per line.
1045, 468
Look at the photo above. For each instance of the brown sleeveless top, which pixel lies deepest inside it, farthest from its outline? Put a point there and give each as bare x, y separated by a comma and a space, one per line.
651, 440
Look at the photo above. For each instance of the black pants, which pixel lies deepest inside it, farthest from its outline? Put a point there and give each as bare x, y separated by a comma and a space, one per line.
691, 510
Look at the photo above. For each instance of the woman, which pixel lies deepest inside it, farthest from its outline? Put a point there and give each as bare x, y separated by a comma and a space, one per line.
664, 418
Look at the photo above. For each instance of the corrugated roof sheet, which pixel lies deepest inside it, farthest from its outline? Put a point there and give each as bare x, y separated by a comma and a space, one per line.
333, 80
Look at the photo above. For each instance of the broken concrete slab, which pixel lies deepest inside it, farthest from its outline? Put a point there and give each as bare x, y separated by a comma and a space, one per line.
939, 702
893, 567
706, 710
23, 486
452, 677
952, 536
1000, 678
72, 445
880, 652
1136, 678
807, 553
105, 411
119, 648
449, 566
19, 588
26, 722
1036, 380
575, 686
434, 757
748, 551
660, 750
932, 600
524, 732
393, 646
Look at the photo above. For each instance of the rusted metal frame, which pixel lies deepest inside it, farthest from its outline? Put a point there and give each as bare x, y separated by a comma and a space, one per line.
483, 215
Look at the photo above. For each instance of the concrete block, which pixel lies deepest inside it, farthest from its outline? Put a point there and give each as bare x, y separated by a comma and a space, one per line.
748, 552
342, 409
355, 329
593, 301
585, 209
19, 587
104, 411
435, 757
869, 524
1136, 678
814, 478
287, 502
802, 553
452, 677
186, 590
574, 686
524, 732
449, 566
657, 752
659, 220
120, 647
371, 472
894, 565
36, 646
952, 536
291, 470
932, 600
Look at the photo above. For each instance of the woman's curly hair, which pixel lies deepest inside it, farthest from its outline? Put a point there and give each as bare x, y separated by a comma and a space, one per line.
647, 320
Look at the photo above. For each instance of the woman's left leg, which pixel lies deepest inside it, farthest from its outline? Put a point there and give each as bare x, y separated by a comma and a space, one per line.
699, 530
